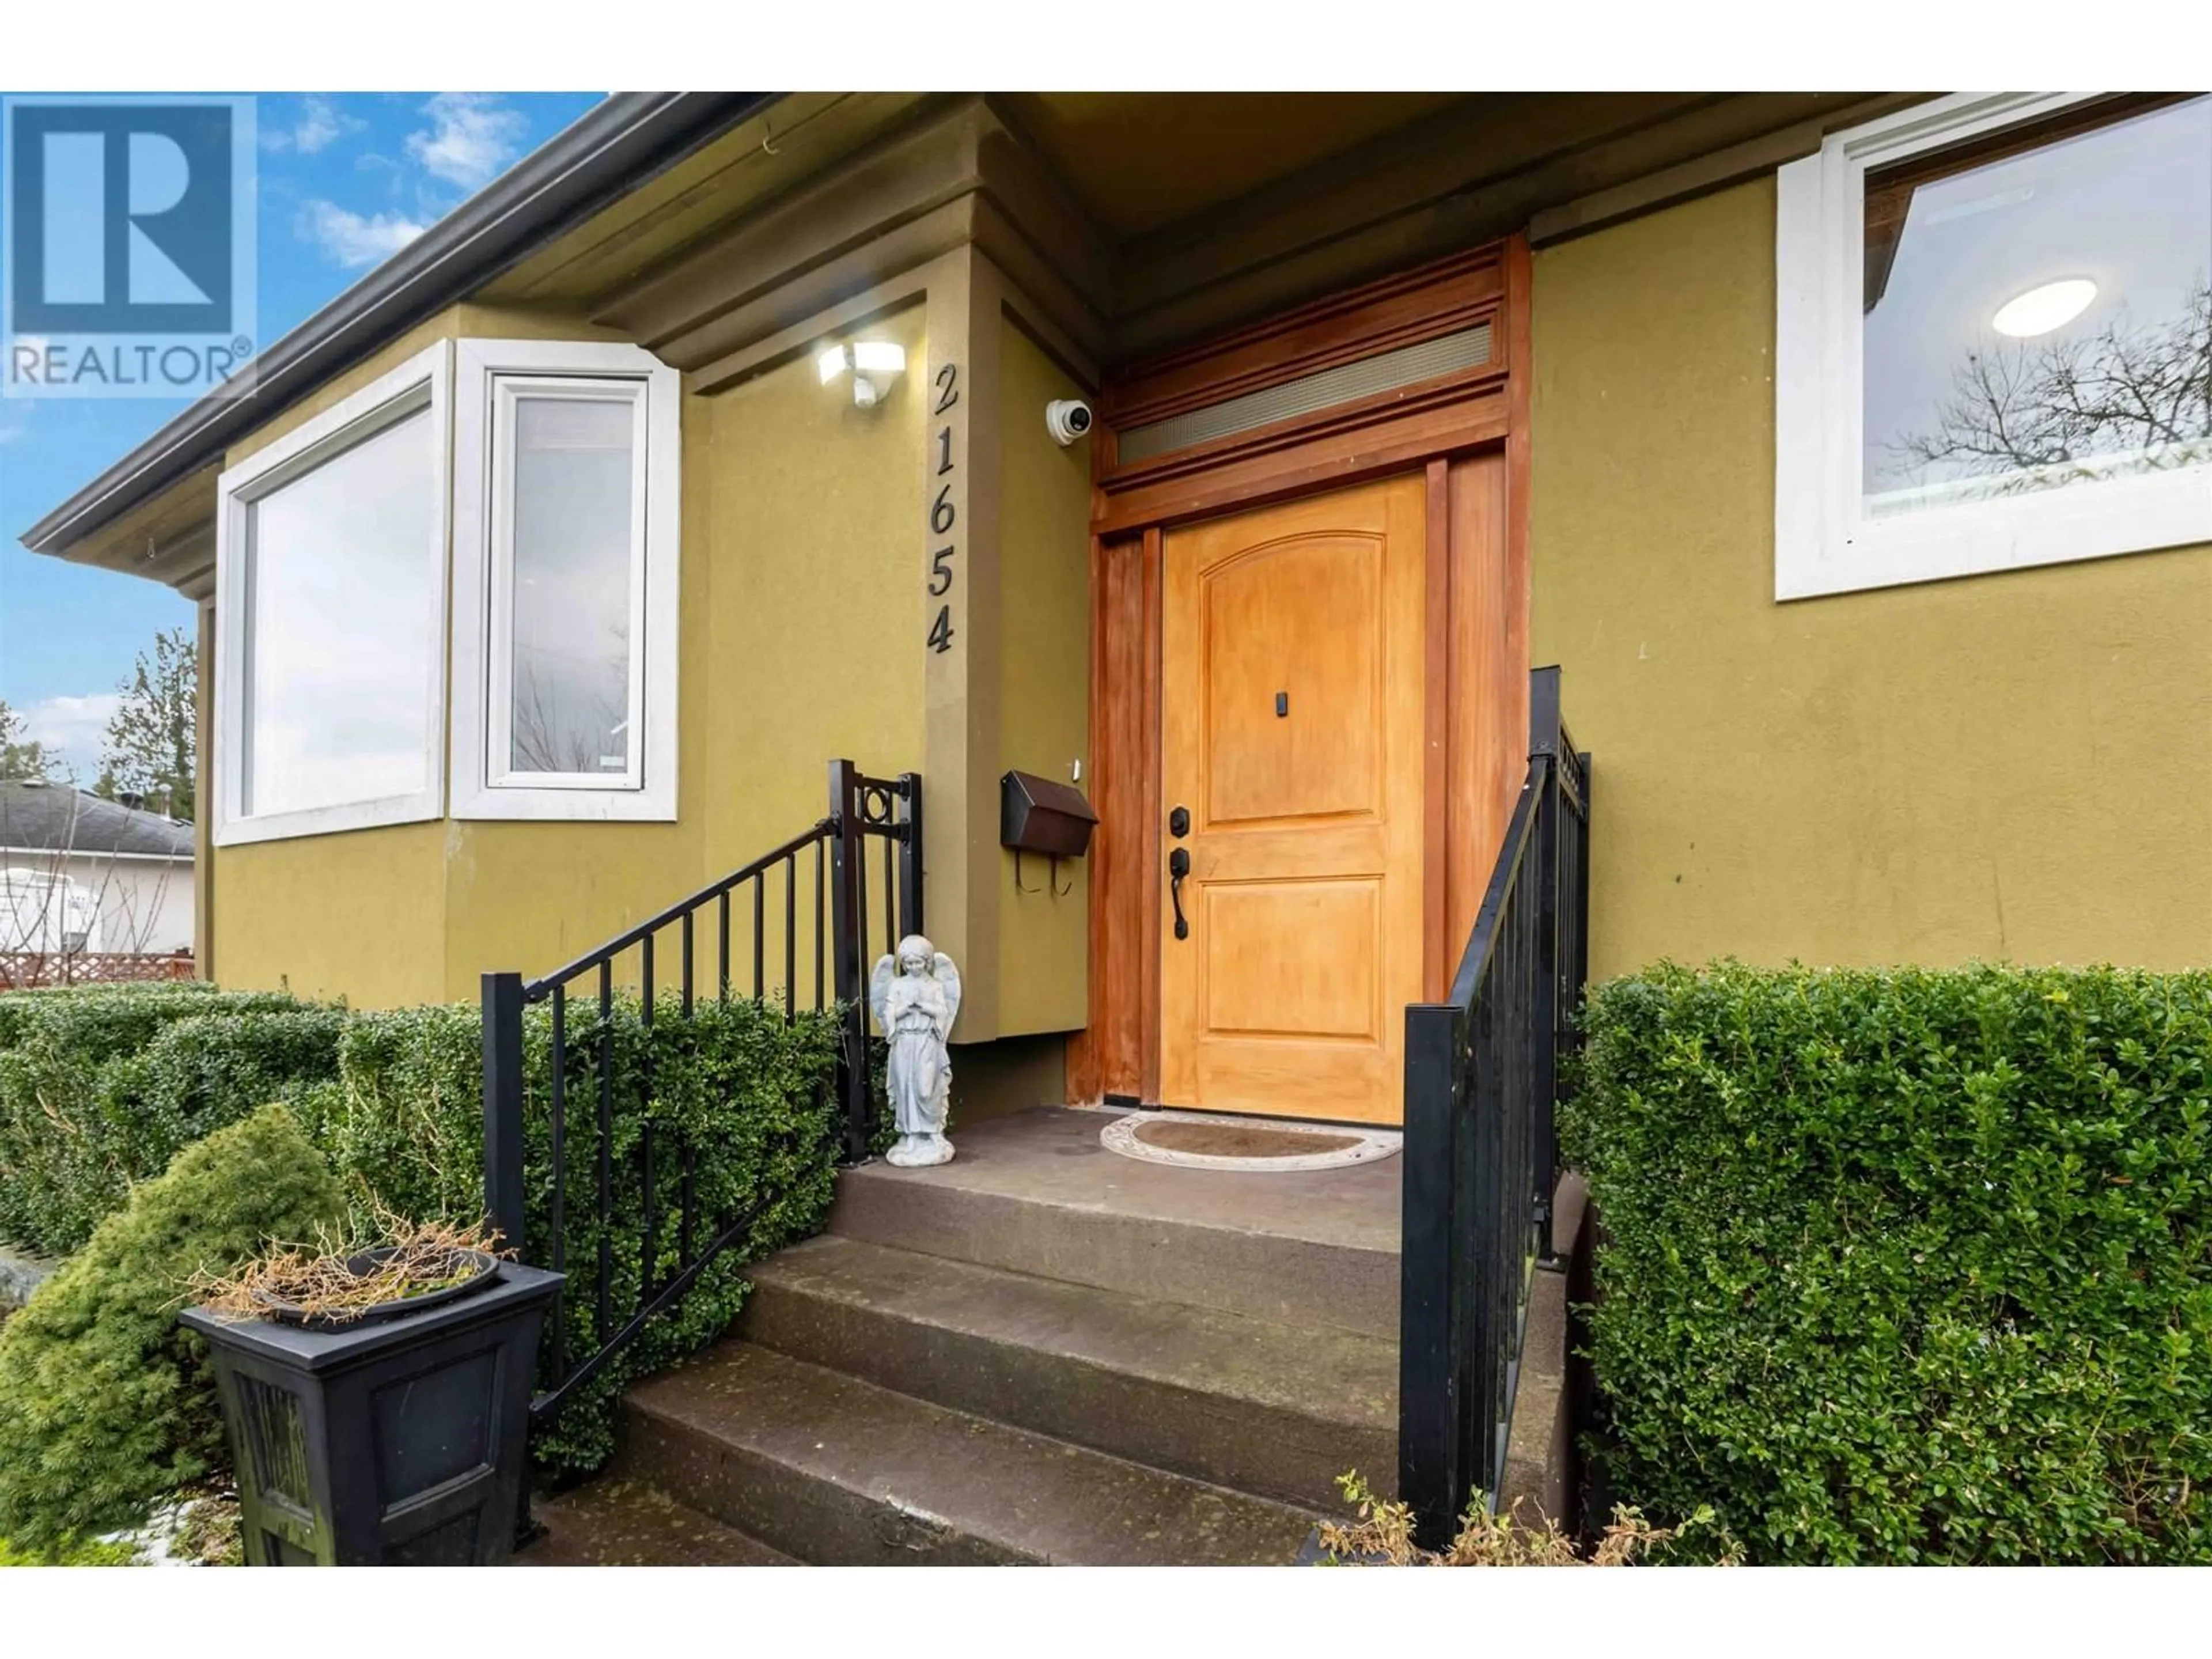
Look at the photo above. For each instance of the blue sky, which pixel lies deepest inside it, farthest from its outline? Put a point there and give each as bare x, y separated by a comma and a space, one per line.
345, 181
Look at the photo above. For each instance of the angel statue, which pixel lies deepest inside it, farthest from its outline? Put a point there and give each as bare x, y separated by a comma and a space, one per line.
915, 1004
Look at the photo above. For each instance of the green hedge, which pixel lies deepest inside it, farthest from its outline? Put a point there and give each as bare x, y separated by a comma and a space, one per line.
1907, 1267
102, 1020
101, 1086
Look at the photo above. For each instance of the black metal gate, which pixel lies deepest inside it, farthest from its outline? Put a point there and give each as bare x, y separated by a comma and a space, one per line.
817, 887
1480, 1158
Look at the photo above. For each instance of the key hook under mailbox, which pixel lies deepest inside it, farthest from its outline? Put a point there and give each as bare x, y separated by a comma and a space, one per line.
1036, 815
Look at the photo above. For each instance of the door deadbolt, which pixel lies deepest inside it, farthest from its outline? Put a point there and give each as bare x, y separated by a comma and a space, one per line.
1179, 822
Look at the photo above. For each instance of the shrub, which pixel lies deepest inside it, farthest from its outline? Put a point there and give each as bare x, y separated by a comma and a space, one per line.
100, 1086
108, 1402
1908, 1266
746, 1092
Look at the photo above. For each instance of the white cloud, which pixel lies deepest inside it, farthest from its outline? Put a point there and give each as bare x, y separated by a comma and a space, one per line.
470, 138
321, 124
72, 727
351, 239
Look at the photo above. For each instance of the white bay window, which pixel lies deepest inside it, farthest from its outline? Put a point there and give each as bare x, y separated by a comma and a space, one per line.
554, 533
329, 660
565, 540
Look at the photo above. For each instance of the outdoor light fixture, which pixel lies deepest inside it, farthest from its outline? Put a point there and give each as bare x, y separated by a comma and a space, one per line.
2041, 309
874, 364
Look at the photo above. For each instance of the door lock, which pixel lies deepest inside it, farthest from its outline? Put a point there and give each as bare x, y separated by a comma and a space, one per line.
1178, 867
1179, 822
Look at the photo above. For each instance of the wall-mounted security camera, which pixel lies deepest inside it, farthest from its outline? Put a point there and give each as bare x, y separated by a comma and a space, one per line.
1066, 419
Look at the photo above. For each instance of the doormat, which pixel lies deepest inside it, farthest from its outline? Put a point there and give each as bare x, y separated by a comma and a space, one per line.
1247, 1146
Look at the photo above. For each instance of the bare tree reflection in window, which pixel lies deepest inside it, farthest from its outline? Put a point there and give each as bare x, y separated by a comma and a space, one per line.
2042, 415
574, 716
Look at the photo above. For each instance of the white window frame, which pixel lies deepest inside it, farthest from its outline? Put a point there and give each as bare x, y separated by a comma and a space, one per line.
423, 382
505, 391
1823, 543
490, 373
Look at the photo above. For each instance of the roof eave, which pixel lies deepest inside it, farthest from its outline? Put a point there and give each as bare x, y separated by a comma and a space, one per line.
604, 153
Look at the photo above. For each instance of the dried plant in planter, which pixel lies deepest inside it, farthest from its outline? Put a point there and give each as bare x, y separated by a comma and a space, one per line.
329, 1283
1382, 1535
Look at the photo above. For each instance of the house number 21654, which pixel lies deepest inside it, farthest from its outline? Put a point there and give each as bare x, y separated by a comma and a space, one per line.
943, 516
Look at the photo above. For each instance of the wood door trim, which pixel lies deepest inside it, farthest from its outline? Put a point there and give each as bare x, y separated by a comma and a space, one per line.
1116, 1054
1435, 721
1420, 430
1148, 1015
1090, 1064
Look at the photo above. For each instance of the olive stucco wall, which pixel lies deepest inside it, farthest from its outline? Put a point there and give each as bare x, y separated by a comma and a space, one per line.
361, 915
2011, 766
1044, 719
799, 641
2017, 765
812, 509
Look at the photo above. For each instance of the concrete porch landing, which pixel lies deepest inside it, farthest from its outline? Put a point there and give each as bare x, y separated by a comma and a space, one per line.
1036, 1193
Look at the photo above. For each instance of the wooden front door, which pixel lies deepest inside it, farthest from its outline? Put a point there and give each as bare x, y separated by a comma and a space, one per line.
1292, 661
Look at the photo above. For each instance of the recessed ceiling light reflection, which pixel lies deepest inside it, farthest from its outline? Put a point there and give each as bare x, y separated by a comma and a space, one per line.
2041, 309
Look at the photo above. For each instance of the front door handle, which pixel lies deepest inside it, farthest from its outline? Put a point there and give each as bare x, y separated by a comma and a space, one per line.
1178, 867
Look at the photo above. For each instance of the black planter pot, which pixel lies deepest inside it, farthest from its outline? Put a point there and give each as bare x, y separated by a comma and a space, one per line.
399, 1441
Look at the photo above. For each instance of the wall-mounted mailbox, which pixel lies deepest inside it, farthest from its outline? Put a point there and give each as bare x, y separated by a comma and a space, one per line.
1036, 815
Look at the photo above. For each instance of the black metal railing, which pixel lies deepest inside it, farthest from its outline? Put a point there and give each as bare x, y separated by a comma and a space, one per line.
1479, 1160
808, 902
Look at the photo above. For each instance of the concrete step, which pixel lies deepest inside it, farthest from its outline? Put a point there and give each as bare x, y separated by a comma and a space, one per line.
1036, 1193
621, 1523
1242, 1402
839, 1471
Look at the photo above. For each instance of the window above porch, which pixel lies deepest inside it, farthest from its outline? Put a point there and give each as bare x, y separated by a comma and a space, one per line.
1995, 340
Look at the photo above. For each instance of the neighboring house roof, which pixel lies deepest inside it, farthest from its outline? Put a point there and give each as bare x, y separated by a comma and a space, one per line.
59, 817
596, 159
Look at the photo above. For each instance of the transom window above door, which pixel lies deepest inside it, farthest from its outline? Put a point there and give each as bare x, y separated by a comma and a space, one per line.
1995, 342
